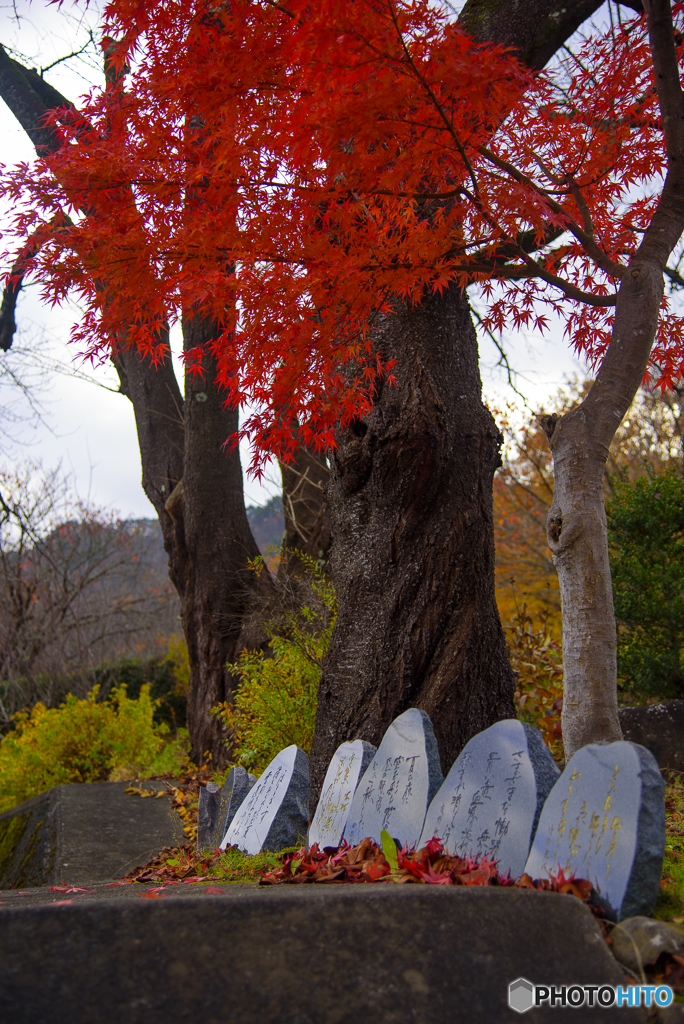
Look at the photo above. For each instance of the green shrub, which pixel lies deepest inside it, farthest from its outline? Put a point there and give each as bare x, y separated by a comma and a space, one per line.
275, 702
162, 674
170, 703
81, 741
646, 535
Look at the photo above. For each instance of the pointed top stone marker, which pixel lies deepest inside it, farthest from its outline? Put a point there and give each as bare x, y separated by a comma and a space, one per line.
275, 813
350, 761
399, 783
491, 800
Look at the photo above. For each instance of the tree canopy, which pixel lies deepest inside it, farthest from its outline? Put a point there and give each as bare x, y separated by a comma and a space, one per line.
291, 171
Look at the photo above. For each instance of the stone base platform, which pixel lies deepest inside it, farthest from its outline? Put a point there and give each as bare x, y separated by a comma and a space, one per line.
74, 834
307, 954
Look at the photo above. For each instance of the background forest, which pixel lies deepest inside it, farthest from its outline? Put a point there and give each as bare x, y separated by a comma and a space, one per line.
86, 606
85, 598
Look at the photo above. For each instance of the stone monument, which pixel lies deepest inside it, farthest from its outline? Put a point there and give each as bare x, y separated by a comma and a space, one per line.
275, 813
208, 801
349, 762
399, 784
491, 800
604, 821
217, 807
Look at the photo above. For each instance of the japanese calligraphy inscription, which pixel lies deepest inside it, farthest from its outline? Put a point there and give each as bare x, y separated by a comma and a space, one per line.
491, 800
275, 813
236, 787
399, 783
344, 771
605, 821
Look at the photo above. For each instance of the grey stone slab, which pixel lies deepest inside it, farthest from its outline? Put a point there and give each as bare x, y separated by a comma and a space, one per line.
17, 900
659, 728
93, 832
604, 820
304, 954
399, 784
208, 802
275, 813
490, 802
218, 806
350, 761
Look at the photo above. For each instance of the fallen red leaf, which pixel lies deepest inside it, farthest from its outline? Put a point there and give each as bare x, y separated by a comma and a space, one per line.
366, 863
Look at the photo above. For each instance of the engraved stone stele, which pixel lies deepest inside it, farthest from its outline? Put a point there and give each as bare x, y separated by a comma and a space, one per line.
275, 813
398, 784
490, 802
605, 821
217, 807
349, 763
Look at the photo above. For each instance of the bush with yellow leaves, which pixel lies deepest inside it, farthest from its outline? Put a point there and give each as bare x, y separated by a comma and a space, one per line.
537, 660
275, 701
81, 741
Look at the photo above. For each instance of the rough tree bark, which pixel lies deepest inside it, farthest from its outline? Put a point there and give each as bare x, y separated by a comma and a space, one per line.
576, 525
410, 501
413, 553
193, 481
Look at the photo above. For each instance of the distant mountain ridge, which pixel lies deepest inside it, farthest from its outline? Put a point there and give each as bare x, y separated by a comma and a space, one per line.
267, 523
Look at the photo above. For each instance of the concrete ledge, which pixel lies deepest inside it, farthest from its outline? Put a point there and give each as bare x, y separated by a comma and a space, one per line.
84, 833
301, 955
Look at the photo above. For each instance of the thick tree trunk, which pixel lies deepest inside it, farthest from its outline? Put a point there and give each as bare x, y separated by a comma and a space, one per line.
195, 484
410, 500
158, 408
578, 538
576, 524
219, 543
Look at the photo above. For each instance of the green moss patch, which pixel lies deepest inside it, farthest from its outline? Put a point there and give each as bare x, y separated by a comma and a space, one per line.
11, 833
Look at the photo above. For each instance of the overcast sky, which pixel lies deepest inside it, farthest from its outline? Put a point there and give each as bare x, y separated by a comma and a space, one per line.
84, 424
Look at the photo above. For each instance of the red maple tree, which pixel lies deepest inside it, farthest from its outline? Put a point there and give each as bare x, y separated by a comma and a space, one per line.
293, 173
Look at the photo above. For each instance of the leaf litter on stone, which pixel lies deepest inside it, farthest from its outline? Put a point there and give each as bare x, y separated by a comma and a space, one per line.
367, 862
